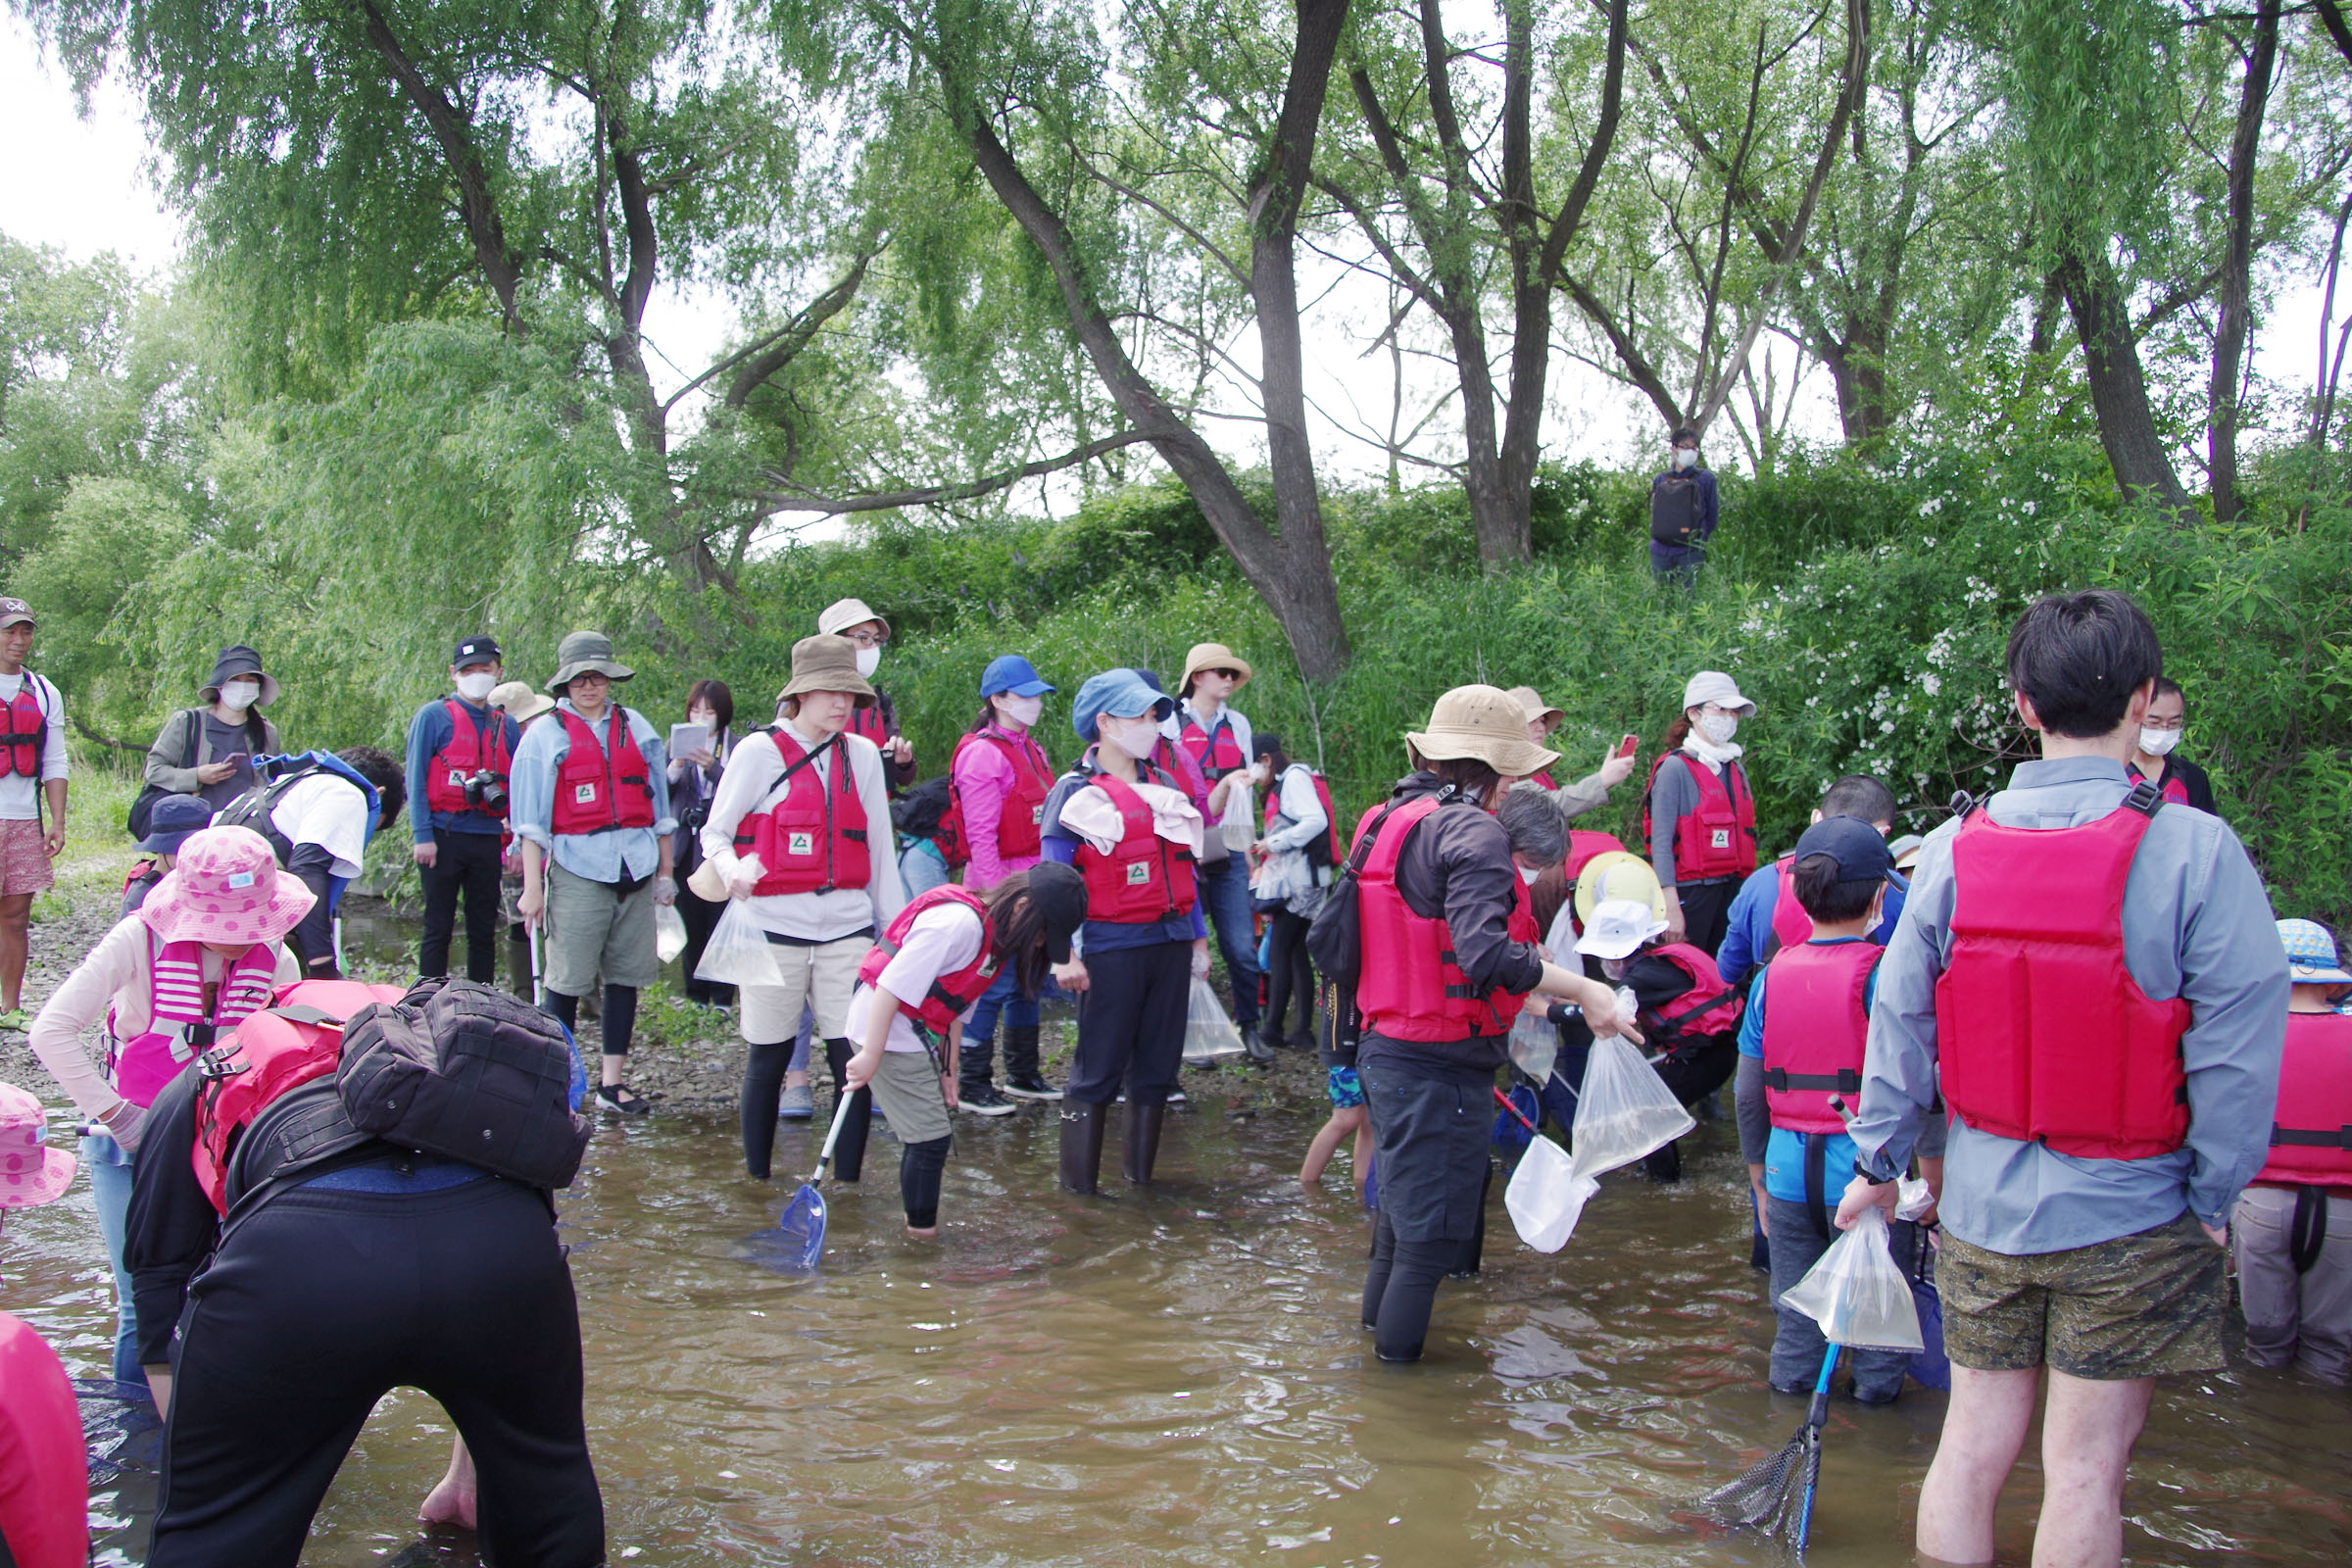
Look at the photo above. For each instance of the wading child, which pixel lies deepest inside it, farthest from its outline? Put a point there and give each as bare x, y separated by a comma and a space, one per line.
1683, 1007
941, 953
1800, 1074
2292, 1230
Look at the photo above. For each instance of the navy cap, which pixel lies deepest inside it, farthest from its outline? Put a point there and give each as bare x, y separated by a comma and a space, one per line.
475, 650
172, 819
1011, 674
1859, 849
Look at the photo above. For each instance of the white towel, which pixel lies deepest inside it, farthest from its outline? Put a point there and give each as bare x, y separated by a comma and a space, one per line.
1090, 815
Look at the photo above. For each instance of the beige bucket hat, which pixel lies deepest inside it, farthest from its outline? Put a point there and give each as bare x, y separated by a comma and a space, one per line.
1539, 711
1485, 722
842, 613
516, 700
1213, 655
825, 662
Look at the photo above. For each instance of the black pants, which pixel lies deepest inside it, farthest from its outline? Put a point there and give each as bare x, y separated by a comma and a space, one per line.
1428, 1140
1707, 911
1289, 972
702, 918
1131, 1024
1692, 1070
764, 1069
321, 1303
468, 864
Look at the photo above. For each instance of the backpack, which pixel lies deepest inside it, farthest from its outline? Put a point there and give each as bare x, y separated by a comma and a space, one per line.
466, 1071
141, 821
1674, 509
273, 778
919, 812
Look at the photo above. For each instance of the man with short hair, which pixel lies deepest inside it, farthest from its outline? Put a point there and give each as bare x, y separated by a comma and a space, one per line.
459, 755
1765, 914
2094, 982
32, 777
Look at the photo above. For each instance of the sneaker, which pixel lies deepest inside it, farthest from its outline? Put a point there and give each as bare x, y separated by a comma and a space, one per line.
621, 1097
798, 1105
1032, 1087
16, 1020
985, 1102
1176, 1097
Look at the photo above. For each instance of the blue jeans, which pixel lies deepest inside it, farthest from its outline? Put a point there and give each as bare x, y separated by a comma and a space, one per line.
109, 1165
1020, 1012
921, 871
1225, 895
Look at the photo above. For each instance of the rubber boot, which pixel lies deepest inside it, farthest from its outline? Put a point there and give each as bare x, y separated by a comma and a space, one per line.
1081, 1145
1024, 1079
1142, 1149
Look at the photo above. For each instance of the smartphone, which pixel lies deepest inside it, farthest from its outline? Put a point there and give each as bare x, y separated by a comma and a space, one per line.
1627, 746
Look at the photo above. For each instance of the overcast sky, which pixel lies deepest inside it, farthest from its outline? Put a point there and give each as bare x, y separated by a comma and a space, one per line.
84, 185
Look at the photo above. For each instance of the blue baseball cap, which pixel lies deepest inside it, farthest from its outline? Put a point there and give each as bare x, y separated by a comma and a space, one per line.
1860, 851
1121, 693
1011, 674
172, 819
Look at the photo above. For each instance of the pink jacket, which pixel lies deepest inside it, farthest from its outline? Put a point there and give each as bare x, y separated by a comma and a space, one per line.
982, 778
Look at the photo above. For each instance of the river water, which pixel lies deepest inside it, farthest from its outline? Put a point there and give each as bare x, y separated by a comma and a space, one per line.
1177, 1377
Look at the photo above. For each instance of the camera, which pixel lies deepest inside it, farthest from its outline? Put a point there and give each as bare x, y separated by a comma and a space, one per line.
486, 790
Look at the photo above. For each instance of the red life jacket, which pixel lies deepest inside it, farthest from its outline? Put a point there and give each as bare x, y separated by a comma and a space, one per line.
1546, 779
1020, 823
27, 728
473, 745
1583, 845
44, 1469
1218, 753
596, 793
2311, 1141
1708, 1007
1791, 926
867, 722
1177, 762
1815, 1031
1719, 837
1145, 878
1331, 818
813, 839
2042, 1033
2175, 788
1412, 988
952, 994
271, 1054
178, 1030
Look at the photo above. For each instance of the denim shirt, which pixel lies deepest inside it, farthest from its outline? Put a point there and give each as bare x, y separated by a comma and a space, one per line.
621, 854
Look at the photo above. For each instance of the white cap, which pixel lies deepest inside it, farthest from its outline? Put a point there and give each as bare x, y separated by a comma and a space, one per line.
1617, 928
1714, 686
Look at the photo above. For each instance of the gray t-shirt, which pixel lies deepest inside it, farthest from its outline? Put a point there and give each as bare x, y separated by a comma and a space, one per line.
222, 741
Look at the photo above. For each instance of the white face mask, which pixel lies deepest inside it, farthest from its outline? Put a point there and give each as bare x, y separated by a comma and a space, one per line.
708, 717
1529, 874
475, 684
2158, 741
1021, 710
1685, 457
1139, 739
870, 660
1719, 727
240, 695
1614, 968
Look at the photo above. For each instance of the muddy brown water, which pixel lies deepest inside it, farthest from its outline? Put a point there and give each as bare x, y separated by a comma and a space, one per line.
1177, 1377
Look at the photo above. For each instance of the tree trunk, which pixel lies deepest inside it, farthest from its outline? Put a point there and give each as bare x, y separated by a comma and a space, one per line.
2119, 391
2237, 270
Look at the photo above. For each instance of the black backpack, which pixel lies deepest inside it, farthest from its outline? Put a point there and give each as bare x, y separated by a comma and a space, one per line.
1673, 509
917, 813
467, 1071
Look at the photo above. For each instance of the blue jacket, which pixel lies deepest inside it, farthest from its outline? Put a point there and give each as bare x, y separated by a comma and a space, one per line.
428, 732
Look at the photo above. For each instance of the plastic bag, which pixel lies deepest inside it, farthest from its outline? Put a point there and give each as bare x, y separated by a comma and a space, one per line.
1624, 1110
1209, 1035
1912, 1199
1547, 1196
1856, 1294
669, 932
738, 952
1534, 1042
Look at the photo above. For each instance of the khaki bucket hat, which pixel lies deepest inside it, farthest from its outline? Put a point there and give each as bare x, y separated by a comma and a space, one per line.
842, 613
827, 663
585, 653
1539, 711
1213, 655
516, 700
1485, 722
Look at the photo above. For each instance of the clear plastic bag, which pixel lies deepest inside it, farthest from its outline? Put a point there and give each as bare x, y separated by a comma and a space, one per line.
1856, 1294
1547, 1196
1624, 1110
1209, 1035
1534, 1043
738, 952
669, 932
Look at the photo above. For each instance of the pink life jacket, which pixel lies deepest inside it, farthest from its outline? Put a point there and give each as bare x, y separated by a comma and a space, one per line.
177, 1030
1814, 1032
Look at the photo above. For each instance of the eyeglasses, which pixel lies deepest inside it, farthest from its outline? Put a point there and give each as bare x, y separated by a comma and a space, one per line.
867, 639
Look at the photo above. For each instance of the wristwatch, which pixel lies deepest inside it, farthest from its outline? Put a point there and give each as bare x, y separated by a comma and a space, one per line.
1863, 1170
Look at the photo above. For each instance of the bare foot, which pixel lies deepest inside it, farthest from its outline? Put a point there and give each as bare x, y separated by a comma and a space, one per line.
452, 1501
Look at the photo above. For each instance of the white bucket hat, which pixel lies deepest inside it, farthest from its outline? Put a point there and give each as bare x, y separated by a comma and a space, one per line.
1714, 686
1617, 928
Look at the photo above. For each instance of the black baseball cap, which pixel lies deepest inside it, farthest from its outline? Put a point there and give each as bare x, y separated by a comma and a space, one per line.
1059, 894
1858, 848
476, 650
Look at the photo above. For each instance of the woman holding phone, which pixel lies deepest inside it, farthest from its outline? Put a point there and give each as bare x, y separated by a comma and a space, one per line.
1588, 794
209, 751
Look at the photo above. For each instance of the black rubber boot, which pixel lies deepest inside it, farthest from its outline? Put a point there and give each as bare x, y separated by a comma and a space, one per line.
1024, 1078
1255, 1043
1081, 1145
1142, 1149
1665, 1162
849, 1149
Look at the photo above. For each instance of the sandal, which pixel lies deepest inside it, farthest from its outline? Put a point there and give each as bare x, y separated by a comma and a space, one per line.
620, 1097
16, 1020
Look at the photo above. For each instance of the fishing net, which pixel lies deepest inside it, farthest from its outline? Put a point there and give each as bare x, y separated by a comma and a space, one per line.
1775, 1496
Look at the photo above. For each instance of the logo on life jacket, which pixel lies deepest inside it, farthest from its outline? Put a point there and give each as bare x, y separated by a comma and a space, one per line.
1720, 839
1138, 872
583, 795
800, 843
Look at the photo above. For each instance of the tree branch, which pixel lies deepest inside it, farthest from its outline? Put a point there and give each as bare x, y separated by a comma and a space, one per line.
940, 494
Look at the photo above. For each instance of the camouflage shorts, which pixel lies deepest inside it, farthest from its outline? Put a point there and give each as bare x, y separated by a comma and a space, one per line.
2133, 1308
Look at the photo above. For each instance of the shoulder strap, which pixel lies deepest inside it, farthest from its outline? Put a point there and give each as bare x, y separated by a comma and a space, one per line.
808, 756
194, 718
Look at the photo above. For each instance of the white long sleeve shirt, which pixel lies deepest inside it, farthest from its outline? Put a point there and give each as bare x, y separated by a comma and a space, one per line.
749, 785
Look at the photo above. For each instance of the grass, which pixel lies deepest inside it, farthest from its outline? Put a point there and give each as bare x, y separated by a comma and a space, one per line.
98, 853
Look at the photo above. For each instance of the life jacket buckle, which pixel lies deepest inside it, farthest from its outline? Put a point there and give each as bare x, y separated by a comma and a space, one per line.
214, 1065
2144, 797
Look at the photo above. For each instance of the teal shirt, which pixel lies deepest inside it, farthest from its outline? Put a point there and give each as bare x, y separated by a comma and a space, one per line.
1785, 1153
